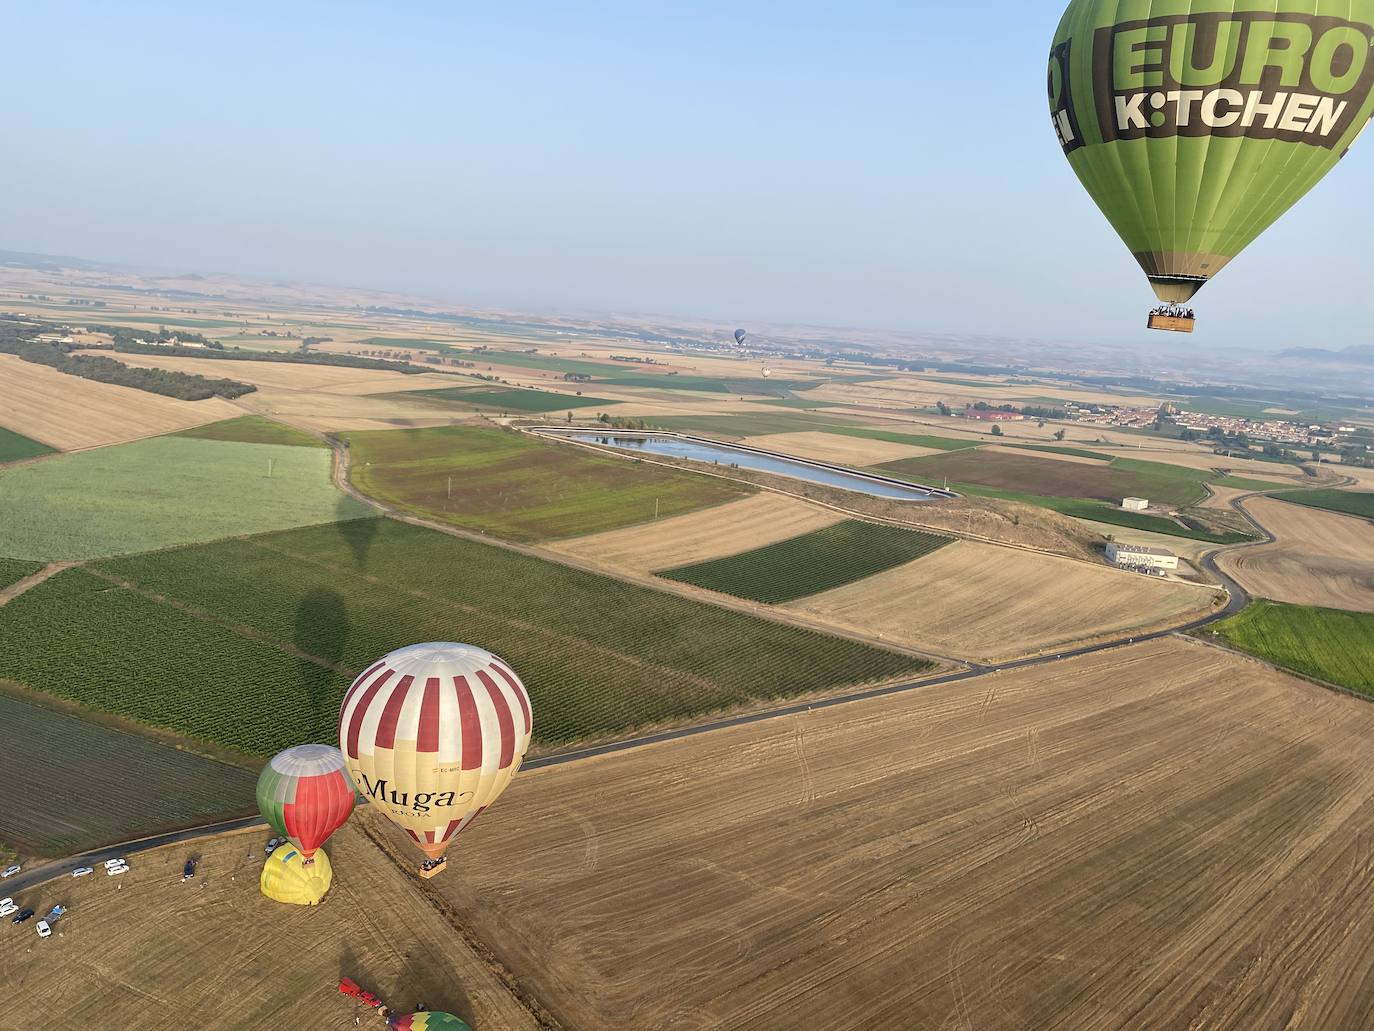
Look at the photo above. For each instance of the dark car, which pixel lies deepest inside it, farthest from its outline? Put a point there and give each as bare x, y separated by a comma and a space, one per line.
189, 870
21, 916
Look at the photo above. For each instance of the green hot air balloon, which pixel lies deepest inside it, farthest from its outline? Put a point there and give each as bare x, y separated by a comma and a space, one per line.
1195, 125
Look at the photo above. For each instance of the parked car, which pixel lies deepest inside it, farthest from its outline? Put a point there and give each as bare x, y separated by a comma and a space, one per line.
115, 871
44, 929
54, 913
115, 862
189, 870
7, 907
82, 871
24, 914
272, 845
10, 871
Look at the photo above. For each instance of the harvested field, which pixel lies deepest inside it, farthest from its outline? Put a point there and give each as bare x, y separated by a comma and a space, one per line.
68, 413
161, 493
1328, 644
817, 561
727, 529
69, 783
1320, 558
1130, 839
1063, 455
286, 375
832, 447
332, 412
254, 429
249, 643
144, 951
522, 487
987, 603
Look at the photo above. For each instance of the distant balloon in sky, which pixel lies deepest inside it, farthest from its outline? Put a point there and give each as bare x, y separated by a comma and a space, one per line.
433, 735
1195, 124
305, 795
739, 337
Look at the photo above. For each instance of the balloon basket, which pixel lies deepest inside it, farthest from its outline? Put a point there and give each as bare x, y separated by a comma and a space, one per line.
288, 879
1172, 323
432, 869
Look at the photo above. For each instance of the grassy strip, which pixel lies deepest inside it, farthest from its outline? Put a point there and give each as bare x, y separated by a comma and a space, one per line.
1328, 644
520, 487
814, 562
601, 657
1243, 483
506, 399
1347, 502
254, 429
16, 446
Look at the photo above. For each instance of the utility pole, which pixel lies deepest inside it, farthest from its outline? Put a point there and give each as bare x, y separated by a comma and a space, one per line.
269, 467
450, 488
655, 509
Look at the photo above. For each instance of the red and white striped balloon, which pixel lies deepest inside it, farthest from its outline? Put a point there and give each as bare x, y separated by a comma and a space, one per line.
432, 735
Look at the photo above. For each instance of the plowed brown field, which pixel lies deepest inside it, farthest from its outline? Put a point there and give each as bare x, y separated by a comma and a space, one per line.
147, 951
1164, 836
1321, 558
68, 412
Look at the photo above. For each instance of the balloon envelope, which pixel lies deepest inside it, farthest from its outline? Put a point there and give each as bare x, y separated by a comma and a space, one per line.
433, 734
287, 878
428, 1022
305, 795
740, 335
1195, 124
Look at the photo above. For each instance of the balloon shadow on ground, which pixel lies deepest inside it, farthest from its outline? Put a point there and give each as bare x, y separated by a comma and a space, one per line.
358, 532
322, 630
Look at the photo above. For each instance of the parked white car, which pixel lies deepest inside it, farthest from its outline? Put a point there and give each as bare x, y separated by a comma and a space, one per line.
115, 871
82, 871
44, 929
9, 871
7, 907
115, 862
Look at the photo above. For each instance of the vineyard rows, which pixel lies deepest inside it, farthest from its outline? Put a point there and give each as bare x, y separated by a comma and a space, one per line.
814, 562
12, 570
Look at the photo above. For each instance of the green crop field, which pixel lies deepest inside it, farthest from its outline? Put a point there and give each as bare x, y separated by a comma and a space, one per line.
1328, 644
625, 375
1032, 476
160, 493
209, 657
12, 570
736, 427
1244, 483
814, 562
1100, 513
506, 399
254, 429
521, 487
1347, 502
71, 784
1077, 452
15, 446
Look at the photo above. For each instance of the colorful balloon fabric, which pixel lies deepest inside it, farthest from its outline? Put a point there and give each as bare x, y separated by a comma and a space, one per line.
286, 877
433, 734
305, 795
429, 1022
1195, 124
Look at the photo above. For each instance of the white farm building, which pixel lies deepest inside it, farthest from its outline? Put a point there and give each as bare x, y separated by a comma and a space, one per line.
1135, 504
1138, 556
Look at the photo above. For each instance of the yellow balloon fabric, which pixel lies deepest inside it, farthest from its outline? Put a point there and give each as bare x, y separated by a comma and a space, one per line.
286, 877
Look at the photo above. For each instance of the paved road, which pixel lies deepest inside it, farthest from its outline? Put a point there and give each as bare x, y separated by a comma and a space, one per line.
1237, 600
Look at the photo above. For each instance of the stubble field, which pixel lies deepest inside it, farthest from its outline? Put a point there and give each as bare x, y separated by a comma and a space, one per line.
1320, 558
1163, 836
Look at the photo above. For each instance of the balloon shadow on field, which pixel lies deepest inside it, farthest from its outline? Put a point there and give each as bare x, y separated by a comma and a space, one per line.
322, 630
358, 533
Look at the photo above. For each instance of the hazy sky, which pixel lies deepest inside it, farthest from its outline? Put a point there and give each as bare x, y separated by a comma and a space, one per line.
871, 164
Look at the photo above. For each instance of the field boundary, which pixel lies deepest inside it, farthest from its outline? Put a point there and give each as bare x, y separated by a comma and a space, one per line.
27, 584
1273, 666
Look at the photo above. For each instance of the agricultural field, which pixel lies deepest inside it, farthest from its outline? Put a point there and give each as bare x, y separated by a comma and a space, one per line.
504, 399
68, 413
750, 522
249, 643
1348, 502
1008, 475
13, 570
1320, 558
144, 952
817, 561
1163, 836
1096, 511
161, 493
520, 487
15, 447
991, 604
287, 375
836, 448
746, 380
71, 784
1328, 644
254, 429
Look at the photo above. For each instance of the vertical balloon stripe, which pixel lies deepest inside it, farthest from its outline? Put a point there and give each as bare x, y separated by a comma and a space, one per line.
471, 723
360, 707
504, 721
519, 690
427, 740
391, 713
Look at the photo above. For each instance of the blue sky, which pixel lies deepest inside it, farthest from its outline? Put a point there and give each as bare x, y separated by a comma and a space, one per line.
866, 164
